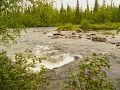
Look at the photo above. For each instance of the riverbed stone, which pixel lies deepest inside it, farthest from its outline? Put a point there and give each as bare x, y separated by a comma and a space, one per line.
118, 44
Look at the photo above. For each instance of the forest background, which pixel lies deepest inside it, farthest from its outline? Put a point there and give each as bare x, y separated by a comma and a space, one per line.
43, 13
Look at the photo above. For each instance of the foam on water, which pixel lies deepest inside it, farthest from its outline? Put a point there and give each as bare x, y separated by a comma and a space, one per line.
54, 58
50, 65
52, 61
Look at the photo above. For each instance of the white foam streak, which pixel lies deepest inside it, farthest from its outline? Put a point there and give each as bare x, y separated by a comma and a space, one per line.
51, 65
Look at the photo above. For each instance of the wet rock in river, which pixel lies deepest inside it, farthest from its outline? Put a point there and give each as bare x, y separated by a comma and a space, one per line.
99, 39
118, 44
73, 33
44, 32
54, 37
56, 34
88, 38
78, 31
92, 34
80, 36
103, 39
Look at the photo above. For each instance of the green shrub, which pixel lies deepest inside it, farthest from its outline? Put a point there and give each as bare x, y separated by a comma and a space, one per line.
107, 33
91, 75
118, 80
85, 25
18, 75
102, 27
111, 26
65, 27
118, 30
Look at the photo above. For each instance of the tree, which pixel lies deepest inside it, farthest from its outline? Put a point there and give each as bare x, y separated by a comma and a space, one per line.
7, 13
87, 15
111, 3
96, 6
95, 11
114, 14
17, 73
104, 3
77, 13
62, 14
69, 14
119, 13
87, 4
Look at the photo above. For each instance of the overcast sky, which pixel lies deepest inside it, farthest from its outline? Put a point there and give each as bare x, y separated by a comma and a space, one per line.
83, 3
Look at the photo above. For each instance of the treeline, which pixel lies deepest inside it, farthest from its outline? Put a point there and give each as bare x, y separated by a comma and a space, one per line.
43, 13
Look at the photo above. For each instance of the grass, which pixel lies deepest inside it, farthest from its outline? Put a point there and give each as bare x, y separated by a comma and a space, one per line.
111, 26
107, 33
75, 27
93, 27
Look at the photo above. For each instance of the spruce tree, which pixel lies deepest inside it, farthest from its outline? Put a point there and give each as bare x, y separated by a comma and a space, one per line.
77, 13
104, 3
119, 13
68, 14
87, 5
96, 12
61, 11
111, 3
96, 6
68, 8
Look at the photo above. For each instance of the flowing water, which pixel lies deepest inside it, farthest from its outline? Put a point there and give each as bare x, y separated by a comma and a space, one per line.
42, 46
53, 57
61, 51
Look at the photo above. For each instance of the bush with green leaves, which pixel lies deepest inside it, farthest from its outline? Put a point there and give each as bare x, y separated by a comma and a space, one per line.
65, 27
91, 74
85, 25
118, 80
17, 74
118, 30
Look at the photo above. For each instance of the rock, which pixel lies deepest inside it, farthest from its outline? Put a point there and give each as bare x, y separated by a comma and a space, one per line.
113, 43
73, 36
73, 33
60, 37
66, 36
88, 38
76, 58
96, 38
103, 39
92, 34
78, 31
99, 39
118, 44
56, 34
80, 36
54, 37
88, 35
62, 34
58, 31
44, 32
113, 37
